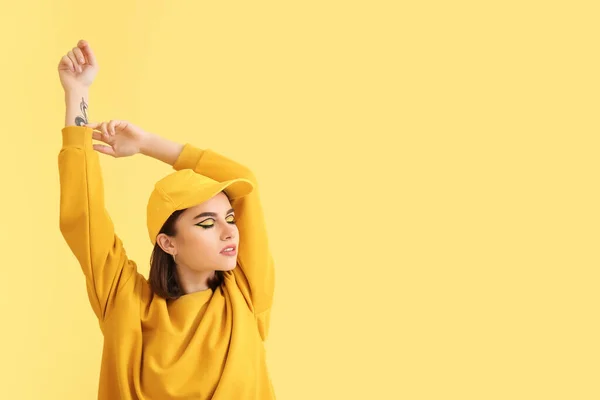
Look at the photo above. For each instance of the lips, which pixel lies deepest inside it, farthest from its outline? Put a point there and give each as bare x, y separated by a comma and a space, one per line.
233, 246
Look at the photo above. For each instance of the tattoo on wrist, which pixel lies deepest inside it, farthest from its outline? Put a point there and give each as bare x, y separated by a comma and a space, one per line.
80, 121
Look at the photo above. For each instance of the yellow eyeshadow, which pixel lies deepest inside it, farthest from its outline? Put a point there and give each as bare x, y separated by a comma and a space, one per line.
231, 218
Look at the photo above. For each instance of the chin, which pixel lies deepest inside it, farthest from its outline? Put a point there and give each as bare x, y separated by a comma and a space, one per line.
229, 268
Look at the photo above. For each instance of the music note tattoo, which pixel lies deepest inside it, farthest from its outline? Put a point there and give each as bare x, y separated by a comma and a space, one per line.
80, 121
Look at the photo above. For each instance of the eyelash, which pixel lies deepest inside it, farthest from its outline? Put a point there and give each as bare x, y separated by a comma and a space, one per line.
210, 226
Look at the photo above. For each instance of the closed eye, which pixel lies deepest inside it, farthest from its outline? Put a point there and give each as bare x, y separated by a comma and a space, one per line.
203, 224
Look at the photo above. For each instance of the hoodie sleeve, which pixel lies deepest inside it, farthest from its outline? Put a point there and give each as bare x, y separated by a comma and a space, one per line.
254, 256
85, 223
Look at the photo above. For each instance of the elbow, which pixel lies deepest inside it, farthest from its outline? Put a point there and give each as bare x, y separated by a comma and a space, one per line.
248, 174
69, 222
66, 226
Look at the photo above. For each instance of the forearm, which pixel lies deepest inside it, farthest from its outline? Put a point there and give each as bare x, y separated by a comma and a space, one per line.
76, 101
160, 148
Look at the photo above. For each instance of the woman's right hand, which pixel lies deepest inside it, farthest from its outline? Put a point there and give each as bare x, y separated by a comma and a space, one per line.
123, 138
78, 68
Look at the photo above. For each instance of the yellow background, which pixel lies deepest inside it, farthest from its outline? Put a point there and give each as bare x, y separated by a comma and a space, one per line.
429, 175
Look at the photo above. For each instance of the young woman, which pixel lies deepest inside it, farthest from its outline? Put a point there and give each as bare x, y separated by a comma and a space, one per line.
195, 329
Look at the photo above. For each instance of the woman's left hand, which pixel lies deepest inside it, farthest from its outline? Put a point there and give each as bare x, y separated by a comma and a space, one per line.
122, 138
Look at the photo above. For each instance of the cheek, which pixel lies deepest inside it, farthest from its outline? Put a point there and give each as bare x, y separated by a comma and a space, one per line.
199, 241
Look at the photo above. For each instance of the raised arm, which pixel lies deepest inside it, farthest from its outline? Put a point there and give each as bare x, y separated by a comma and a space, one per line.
254, 257
84, 221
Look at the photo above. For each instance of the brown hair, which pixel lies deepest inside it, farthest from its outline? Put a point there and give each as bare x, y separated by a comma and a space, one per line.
163, 277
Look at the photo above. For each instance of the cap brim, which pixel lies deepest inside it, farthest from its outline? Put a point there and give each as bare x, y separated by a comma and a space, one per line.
234, 188
237, 188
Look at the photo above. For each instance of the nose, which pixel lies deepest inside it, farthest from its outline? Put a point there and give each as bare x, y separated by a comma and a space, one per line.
228, 233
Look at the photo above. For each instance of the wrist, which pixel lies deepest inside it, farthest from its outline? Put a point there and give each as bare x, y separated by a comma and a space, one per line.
76, 102
145, 144
159, 148
76, 91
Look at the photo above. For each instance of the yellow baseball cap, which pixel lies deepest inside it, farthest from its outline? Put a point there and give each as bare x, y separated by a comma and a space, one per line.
186, 188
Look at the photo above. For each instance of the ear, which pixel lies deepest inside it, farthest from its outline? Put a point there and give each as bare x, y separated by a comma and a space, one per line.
167, 243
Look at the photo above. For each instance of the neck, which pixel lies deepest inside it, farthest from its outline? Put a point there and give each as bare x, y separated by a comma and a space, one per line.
193, 281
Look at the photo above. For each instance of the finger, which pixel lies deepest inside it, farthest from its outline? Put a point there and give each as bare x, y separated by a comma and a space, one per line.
66, 61
87, 51
104, 129
92, 124
74, 60
116, 125
104, 149
79, 54
97, 136
111, 126
120, 125
103, 134
98, 126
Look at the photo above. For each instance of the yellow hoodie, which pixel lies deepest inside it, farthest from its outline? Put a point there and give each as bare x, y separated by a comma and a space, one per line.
204, 345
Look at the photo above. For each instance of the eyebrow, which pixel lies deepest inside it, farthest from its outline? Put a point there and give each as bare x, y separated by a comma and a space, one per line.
211, 214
